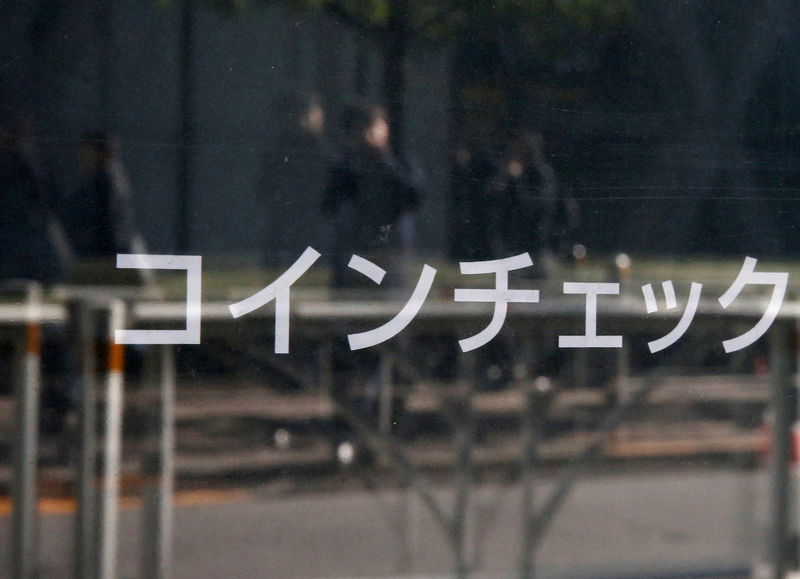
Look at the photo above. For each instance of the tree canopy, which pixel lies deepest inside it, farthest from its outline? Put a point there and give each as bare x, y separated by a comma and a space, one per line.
543, 27
444, 19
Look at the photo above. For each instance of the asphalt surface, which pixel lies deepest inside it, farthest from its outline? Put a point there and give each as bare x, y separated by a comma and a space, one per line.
671, 523
682, 519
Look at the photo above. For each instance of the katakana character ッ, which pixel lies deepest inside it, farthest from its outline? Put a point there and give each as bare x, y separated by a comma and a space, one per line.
500, 296
193, 264
671, 303
590, 339
403, 318
748, 275
279, 290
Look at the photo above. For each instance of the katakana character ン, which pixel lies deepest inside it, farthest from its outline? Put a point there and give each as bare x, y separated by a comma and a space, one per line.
671, 303
748, 275
398, 323
279, 290
590, 339
500, 296
193, 264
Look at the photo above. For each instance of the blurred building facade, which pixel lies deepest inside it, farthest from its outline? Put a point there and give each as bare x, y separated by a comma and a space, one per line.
677, 131
116, 64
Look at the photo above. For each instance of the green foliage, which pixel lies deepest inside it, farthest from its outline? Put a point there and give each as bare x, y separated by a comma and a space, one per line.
594, 14
364, 13
445, 19
441, 20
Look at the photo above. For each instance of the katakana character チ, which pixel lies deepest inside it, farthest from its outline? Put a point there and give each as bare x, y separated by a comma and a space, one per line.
279, 290
748, 275
501, 295
403, 318
671, 303
590, 339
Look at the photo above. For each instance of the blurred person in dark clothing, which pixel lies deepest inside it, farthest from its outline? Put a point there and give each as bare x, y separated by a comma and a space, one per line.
369, 198
533, 212
294, 171
560, 212
370, 191
33, 247
32, 241
471, 209
100, 214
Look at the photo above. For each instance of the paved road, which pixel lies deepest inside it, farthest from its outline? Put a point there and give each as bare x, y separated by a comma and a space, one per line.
614, 525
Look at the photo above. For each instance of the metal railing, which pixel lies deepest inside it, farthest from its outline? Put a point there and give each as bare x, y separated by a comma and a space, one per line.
95, 554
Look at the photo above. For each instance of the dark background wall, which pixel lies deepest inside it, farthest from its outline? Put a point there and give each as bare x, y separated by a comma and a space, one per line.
116, 66
677, 131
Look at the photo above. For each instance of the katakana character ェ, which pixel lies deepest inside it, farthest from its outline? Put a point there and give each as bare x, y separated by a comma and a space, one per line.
671, 303
590, 339
193, 264
501, 295
748, 275
279, 290
403, 318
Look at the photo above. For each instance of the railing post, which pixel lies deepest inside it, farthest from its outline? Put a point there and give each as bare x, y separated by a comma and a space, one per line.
26, 458
109, 518
386, 395
157, 538
538, 397
782, 401
82, 334
464, 440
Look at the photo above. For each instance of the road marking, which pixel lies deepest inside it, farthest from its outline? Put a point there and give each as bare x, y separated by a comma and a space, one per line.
66, 506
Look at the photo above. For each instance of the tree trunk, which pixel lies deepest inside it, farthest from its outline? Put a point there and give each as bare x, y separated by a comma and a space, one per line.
394, 79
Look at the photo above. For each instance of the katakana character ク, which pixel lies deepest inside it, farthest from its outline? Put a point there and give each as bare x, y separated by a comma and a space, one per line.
590, 339
279, 290
403, 318
671, 303
746, 276
193, 264
501, 295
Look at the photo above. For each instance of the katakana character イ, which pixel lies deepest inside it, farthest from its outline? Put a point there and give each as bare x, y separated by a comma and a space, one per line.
748, 275
279, 290
671, 303
403, 318
501, 295
590, 339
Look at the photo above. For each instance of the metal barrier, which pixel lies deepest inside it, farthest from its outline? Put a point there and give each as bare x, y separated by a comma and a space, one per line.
82, 335
112, 449
158, 515
320, 319
96, 517
24, 521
